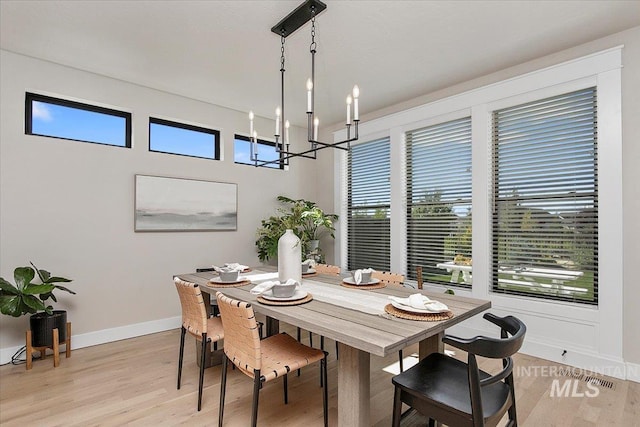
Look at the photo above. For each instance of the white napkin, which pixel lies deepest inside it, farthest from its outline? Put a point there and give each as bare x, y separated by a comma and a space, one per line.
357, 275
266, 286
421, 302
236, 266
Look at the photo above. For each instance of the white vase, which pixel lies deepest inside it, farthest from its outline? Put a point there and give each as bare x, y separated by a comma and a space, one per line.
289, 257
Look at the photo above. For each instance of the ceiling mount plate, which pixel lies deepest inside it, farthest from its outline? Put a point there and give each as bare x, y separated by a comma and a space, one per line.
300, 16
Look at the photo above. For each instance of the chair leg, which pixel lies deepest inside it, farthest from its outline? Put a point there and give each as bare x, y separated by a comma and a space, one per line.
286, 388
397, 408
202, 359
325, 392
182, 333
256, 395
223, 386
321, 348
513, 417
299, 338
401, 360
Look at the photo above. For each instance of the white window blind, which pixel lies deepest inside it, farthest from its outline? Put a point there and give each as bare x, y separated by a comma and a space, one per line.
368, 206
545, 208
439, 200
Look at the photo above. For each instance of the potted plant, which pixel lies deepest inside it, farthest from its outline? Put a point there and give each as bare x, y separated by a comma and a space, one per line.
304, 217
27, 297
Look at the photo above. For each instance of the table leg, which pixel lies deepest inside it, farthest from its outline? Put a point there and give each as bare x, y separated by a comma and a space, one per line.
353, 387
273, 327
430, 345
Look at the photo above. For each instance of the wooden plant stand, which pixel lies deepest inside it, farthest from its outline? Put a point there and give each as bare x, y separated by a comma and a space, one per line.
55, 347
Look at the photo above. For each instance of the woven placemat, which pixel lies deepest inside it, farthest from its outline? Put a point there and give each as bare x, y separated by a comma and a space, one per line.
315, 273
426, 317
211, 284
379, 285
304, 300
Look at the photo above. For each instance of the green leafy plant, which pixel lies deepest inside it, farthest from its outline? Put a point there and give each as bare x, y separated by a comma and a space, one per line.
28, 297
304, 217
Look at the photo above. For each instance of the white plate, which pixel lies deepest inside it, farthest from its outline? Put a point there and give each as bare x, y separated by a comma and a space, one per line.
415, 310
219, 280
298, 294
309, 271
352, 281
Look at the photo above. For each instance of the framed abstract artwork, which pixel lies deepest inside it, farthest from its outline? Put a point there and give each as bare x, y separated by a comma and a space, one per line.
177, 204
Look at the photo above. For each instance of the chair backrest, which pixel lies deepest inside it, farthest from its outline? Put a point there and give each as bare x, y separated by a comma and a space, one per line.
419, 276
327, 269
194, 312
494, 348
389, 278
241, 337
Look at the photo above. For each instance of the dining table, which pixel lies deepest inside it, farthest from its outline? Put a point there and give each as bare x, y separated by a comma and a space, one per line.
356, 318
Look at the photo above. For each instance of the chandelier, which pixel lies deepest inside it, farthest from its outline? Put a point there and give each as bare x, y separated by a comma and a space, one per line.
301, 15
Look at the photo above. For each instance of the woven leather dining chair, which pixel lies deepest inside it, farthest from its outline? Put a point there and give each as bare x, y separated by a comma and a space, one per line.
457, 393
392, 279
196, 321
263, 360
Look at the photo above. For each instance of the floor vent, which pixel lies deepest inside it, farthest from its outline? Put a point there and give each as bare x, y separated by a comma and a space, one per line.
599, 382
574, 374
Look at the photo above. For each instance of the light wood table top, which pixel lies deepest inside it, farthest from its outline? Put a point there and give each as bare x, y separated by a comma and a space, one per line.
359, 334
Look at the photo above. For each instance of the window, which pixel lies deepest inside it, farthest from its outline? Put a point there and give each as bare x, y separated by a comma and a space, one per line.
439, 201
178, 138
61, 118
369, 205
545, 209
266, 152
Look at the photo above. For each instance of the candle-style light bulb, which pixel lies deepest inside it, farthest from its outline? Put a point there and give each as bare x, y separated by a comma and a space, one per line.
349, 101
356, 94
316, 122
250, 123
278, 121
309, 89
286, 131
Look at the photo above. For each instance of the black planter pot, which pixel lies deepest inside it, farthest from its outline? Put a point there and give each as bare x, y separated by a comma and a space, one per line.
42, 326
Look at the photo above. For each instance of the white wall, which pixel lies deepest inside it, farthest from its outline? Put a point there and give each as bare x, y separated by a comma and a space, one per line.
68, 206
595, 337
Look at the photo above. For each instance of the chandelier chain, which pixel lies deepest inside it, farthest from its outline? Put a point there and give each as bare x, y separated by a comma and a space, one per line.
312, 47
282, 38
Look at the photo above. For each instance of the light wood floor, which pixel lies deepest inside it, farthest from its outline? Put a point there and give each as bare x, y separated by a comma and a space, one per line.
133, 382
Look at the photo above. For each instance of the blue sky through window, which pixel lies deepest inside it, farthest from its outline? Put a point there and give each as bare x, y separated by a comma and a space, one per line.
266, 152
174, 139
59, 121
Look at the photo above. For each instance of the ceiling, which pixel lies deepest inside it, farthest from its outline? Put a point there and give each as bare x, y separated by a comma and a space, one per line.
223, 52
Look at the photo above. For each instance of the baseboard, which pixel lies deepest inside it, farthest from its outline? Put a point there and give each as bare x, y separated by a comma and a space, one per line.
108, 335
633, 372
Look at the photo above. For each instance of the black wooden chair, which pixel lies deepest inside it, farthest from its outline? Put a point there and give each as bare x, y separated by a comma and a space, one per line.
457, 393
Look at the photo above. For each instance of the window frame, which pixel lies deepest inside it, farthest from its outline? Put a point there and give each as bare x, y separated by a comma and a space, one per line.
186, 126
31, 97
349, 205
496, 201
281, 165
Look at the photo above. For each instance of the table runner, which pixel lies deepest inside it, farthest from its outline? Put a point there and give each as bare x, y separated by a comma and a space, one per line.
354, 299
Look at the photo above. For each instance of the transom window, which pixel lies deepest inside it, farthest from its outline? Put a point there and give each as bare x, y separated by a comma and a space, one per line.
76, 121
266, 153
187, 140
